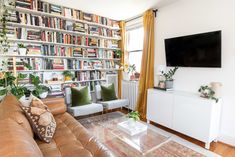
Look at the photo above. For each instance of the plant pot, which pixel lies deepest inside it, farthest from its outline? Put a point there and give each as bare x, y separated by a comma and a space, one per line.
43, 95
125, 76
67, 78
169, 84
131, 122
22, 51
132, 77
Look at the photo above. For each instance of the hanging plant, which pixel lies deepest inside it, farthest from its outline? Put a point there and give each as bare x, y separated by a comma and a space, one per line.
4, 43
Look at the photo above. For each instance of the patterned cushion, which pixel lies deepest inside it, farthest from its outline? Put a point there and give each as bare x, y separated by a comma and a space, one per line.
41, 119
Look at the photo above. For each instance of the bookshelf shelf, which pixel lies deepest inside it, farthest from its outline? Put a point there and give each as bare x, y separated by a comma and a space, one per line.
61, 57
34, 12
60, 30
60, 44
61, 70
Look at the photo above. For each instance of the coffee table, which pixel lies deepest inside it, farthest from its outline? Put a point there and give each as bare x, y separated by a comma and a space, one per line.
144, 142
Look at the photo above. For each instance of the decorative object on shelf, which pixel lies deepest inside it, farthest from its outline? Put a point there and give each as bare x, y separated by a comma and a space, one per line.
22, 49
169, 77
4, 15
55, 77
207, 92
161, 84
68, 75
129, 69
216, 87
39, 91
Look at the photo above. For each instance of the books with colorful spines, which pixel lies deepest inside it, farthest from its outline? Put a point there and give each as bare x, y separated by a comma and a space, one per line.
67, 12
55, 9
33, 34
115, 24
94, 30
58, 64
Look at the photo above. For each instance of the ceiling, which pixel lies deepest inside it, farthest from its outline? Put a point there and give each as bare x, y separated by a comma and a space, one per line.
114, 9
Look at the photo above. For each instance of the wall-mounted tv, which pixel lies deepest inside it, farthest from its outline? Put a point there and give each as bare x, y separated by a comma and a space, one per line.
199, 50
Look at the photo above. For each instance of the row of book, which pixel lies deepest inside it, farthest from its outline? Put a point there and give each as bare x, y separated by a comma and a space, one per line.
58, 37
67, 12
58, 23
89, 75
59, 64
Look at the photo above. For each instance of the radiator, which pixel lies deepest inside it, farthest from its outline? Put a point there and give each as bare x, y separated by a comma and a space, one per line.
130, 92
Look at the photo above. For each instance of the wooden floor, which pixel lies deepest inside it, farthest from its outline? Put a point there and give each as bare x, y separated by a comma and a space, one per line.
218, 147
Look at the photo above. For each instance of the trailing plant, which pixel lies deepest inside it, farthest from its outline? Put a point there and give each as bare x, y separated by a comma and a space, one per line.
169, 75
207, 92
67, 73
4, 43
20, 45
134, 115
38, 88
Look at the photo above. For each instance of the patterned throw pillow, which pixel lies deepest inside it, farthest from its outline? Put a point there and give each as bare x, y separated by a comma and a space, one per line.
41, 119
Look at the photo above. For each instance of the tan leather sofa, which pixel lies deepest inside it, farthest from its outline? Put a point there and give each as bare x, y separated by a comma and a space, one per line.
71, 139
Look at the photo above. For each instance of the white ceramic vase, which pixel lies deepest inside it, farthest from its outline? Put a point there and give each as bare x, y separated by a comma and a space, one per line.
22, 51
43, 95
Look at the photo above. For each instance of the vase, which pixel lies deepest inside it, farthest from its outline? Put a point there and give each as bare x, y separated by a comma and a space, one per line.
22, 51
169, 84
131, 122
216, 87
43, 95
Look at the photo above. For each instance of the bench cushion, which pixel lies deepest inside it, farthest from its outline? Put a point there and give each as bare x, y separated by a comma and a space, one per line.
114, 103
85, 109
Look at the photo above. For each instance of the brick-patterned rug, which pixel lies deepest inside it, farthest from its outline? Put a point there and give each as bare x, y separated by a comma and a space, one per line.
152, 143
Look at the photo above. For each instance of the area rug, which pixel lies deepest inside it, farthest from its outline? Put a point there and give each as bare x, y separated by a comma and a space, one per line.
148, 144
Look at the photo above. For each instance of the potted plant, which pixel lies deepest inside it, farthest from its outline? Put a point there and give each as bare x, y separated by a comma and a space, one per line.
22, 49
68, 75
117, 54
40, 91
169, 77
133, 117
10, 84
131, 69
207, 92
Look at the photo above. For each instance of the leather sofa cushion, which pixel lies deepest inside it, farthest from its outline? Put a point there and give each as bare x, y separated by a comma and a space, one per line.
72, 139
15, 141
10, 108
55, 105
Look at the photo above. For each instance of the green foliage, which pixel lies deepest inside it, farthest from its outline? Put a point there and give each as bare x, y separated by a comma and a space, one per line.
131, 68
118, 53
39, 89
207, 92
20, 45
26, 64
134, 115
4, 43
67, 73
169, 75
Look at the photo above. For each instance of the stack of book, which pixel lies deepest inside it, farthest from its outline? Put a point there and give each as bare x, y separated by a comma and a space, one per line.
80, 27
94, 30
24, 4
105, 54
34, 49
12, 17
58, 64
92, 42
91, 53
87, 17
77, 52
114, 44
55, 9
97, 64
34, 35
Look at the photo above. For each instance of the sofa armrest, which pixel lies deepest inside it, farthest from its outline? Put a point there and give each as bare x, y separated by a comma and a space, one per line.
56, 105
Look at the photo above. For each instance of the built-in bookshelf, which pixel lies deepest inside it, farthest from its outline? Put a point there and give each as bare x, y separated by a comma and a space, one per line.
59, 38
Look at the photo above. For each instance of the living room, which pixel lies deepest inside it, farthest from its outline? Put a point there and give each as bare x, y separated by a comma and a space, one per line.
117, 78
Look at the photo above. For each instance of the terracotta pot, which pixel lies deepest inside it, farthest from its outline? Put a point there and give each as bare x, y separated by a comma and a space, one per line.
132, 77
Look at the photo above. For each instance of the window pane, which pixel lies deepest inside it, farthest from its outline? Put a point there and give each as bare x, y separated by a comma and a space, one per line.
135, 58
135, 39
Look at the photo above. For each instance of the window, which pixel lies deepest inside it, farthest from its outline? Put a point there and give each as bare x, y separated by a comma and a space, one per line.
134, 46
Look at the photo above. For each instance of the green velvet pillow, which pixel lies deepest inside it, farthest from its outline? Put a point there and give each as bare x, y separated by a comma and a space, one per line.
80, 96
108, 93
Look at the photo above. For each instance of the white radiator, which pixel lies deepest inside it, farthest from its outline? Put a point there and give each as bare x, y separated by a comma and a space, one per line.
130, 92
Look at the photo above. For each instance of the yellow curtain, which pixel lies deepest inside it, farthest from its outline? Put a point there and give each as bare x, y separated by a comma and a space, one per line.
122, 46
147, 65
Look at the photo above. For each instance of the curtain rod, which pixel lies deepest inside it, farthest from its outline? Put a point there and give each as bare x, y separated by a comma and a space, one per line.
140, 15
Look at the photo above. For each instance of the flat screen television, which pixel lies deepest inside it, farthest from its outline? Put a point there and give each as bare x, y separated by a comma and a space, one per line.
199, 50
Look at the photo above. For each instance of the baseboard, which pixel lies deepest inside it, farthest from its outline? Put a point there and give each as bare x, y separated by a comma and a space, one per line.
227, 139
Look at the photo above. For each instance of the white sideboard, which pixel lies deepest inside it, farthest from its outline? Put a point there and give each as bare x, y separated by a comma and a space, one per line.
186, 113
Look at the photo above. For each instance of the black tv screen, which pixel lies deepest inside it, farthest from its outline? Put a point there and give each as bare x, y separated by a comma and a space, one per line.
199, 50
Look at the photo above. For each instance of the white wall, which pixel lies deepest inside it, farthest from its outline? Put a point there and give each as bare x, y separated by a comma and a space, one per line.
186, 17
